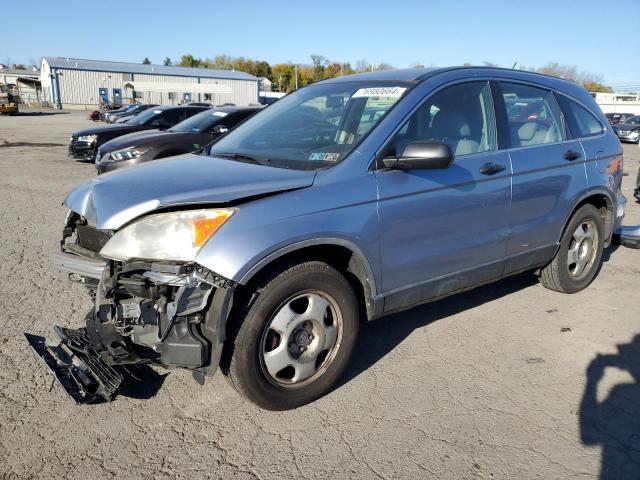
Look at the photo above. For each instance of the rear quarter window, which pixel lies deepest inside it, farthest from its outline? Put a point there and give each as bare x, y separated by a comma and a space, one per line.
582, 122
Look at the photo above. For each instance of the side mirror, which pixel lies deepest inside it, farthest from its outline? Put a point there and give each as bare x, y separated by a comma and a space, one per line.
220, 130
421, 155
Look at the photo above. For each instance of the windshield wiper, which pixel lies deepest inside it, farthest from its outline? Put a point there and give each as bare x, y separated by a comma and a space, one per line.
243, 157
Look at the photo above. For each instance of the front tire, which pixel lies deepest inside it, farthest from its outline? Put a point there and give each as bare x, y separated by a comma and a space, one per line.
579, 256
290, 345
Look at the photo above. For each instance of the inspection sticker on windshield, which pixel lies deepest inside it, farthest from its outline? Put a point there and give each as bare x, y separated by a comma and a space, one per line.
379, 92
324, 157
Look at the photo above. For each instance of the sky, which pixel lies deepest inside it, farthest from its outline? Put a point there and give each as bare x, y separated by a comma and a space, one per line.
585, 33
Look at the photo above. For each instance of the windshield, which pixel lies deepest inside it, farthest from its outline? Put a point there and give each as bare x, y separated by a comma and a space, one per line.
144, 117
201, 122
315, 127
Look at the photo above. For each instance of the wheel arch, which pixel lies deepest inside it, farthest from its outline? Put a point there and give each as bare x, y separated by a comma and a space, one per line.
602, 200
342, 254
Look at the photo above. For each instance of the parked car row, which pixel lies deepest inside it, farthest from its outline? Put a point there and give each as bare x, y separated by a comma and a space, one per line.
126, 113
351, 198
151, 132
616, 118
192, 134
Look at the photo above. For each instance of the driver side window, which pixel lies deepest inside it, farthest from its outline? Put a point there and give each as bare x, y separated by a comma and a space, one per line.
460, 116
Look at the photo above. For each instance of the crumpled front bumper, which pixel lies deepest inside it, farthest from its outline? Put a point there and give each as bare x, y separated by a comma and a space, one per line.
168, 314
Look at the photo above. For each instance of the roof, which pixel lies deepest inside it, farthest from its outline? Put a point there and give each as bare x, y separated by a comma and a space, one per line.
413, 75
13, 71
103, 66
399, 75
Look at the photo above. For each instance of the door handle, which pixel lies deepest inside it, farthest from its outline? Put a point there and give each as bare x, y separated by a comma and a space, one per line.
571, 155
491, 168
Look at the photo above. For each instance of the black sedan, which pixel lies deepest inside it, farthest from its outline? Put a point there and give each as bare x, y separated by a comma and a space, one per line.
129, 113
192, 134
84, 144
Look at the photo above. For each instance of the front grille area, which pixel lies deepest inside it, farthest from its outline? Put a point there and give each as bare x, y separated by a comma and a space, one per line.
91, 238
72, 142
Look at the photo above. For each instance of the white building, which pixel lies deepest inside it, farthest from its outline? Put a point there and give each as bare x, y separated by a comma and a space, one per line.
617, 102
77, 83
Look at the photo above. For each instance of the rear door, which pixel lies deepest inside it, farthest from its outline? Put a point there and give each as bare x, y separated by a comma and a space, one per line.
548, 172
444, 230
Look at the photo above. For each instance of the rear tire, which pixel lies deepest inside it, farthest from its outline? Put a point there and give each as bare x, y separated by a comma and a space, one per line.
294, 339
579, 256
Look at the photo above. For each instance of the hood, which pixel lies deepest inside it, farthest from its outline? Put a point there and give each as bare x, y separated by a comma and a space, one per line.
628, 126
135, 139
113, 128
114, 199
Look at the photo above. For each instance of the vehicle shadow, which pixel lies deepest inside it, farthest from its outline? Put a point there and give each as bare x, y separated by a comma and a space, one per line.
40, 114
376, 339
614, 423
141, 382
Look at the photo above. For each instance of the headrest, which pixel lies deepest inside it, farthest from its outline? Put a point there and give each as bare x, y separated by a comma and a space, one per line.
450, 123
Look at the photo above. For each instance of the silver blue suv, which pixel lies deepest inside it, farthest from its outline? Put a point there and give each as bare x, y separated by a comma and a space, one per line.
342, 202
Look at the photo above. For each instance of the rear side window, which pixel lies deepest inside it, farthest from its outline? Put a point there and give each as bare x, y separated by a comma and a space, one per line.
534, 116
583, 123
171, 117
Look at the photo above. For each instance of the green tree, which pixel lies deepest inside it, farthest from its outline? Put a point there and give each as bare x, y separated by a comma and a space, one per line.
319, 62
167, 62
146, 61
188, 60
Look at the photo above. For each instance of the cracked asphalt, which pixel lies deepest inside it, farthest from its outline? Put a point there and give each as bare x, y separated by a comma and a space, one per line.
489, 384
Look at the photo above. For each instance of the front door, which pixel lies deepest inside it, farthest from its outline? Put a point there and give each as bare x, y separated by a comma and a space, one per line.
444, 230
117, 96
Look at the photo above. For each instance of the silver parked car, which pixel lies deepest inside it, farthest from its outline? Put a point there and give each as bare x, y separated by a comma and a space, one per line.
344, 201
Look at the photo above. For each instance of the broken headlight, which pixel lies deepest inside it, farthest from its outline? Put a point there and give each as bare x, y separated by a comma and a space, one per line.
167, 236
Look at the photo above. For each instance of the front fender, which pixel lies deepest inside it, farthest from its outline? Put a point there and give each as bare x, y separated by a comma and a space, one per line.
338, 213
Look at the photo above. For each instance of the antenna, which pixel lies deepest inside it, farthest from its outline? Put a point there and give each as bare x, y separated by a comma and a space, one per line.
514, 65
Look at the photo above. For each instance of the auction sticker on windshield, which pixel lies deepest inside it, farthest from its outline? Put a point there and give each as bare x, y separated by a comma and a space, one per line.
324, 157
379, 92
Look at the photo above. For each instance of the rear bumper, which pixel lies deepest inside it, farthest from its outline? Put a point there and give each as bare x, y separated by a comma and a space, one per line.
74, 264
628, 236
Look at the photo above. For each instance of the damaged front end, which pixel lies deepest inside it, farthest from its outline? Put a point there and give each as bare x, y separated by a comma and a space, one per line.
166, 313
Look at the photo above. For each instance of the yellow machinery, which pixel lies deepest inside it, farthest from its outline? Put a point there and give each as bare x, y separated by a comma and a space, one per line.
9, 99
